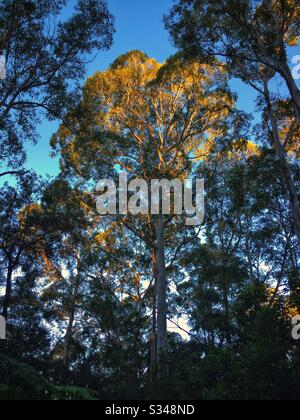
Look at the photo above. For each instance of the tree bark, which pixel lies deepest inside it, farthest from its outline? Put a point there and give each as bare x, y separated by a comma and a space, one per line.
293, 196
226, 303
248, 252
69, 331
68, 337
162, 332
153, 369
286, 73
8, 291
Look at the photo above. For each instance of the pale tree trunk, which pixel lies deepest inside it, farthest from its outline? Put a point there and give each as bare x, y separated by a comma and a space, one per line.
226, 303
68, 337
153, 369
69, 332
293, 196
8, 291
248, 251
226, 309
162, 332
246, 232
286, 73
12, 264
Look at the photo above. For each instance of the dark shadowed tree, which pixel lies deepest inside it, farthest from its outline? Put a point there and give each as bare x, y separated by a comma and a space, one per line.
246, 33
151, 120
253, 38
46, 56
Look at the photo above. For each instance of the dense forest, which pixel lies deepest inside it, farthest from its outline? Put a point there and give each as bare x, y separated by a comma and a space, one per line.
146, 307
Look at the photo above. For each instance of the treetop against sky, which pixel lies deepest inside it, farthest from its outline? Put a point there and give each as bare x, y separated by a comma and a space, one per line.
139, 26
109, 287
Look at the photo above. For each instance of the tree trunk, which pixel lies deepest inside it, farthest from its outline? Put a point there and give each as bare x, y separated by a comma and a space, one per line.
226, 304
248, 252
162, 332
68, 337
69, 331
8, 291
286, 73
294, 202
153, 369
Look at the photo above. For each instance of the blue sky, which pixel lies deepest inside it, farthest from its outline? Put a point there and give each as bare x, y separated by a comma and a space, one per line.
139, 25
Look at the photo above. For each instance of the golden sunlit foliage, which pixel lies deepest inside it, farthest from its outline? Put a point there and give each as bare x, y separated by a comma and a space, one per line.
147, 117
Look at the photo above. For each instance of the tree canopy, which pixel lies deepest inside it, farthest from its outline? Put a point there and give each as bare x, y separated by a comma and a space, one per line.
142, 305
45, 58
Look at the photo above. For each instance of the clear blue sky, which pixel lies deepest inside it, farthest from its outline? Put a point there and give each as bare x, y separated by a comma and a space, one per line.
139, 25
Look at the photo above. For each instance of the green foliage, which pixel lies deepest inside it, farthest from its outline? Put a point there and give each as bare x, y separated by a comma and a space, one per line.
45, 58
80, 293
72, 393
22, 381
